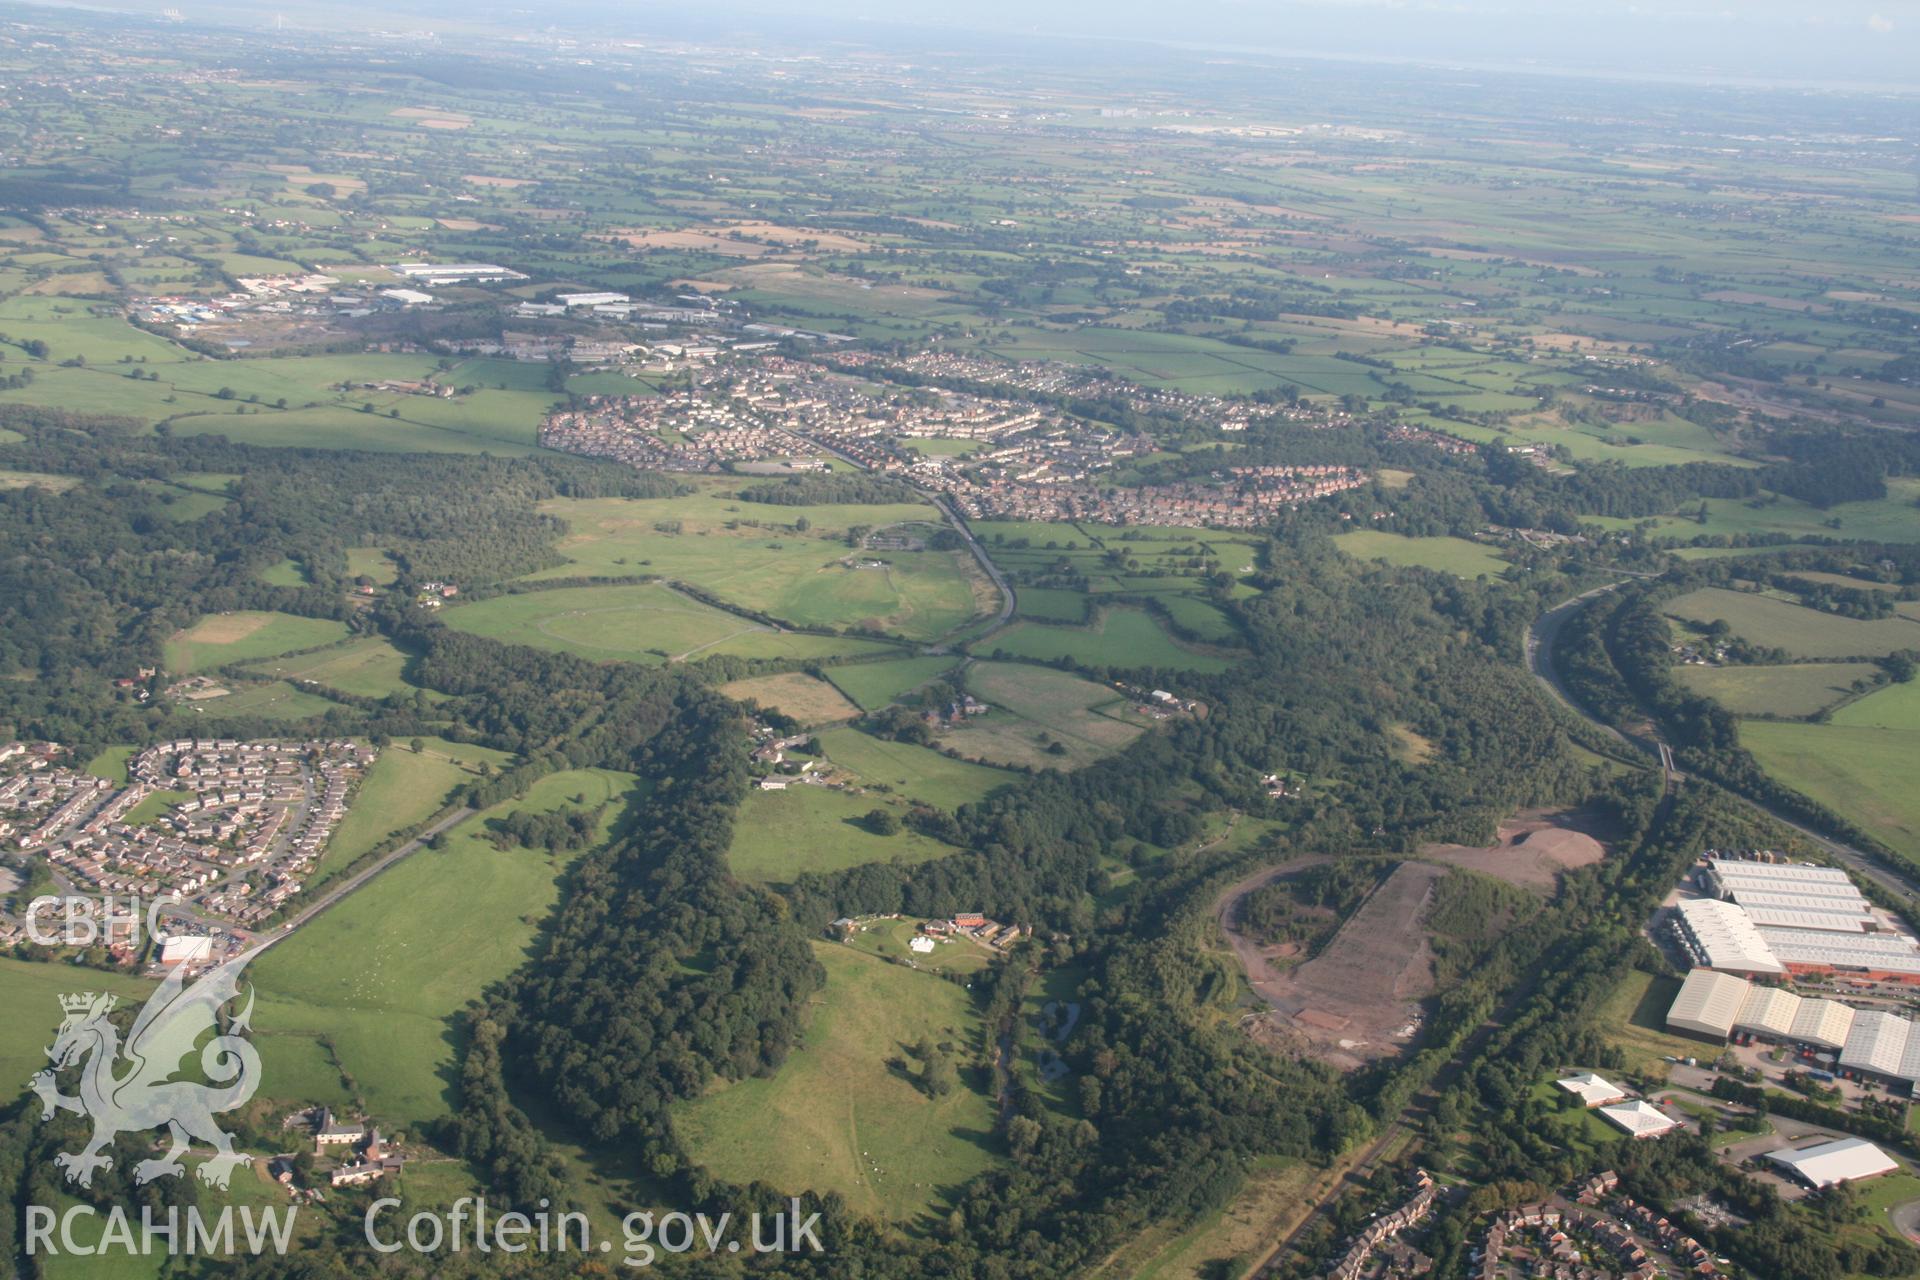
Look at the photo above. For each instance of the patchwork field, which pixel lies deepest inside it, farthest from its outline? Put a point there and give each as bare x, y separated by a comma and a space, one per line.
1447, 555
384, 1020
1861, 771
1120, 637
1792, 691
807, 699
875, 684
838, 1116
759, 557
1041, 718
1804, 632
224, 638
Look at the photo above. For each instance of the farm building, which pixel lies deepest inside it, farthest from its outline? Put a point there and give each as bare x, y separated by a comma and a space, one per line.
1847, 1160
1591, 1089
1640, 1119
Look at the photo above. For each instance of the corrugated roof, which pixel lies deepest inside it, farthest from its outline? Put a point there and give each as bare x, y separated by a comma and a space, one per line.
1768, 1010
1722, 937
1822, 1022
1708, 1003
1876, 1042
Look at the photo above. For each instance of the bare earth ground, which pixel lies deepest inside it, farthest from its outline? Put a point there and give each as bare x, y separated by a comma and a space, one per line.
1532, 849
1354, 1001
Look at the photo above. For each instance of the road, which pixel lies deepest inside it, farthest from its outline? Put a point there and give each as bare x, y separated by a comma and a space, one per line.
999, 580
1539, 646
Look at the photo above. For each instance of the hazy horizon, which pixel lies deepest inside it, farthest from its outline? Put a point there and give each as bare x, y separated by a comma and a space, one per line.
1874, 44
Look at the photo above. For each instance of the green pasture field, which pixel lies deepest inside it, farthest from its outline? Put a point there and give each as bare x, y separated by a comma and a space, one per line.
1895, 707
1051, 604
639, 623
806, 698
804, 578
1457, 556
1121, 636
1034, 708
780, 834
284, 573
401, 788
1793, 692
1862, 772
1804, 632
339, 427
1202, 619
370, 667
274, 700
838, 1117
875, 684
905, 769
373, 984
30, 1012
183, 503
371, 563
223, 638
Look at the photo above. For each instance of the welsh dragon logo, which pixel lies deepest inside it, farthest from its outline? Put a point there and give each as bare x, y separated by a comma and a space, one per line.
130, 1088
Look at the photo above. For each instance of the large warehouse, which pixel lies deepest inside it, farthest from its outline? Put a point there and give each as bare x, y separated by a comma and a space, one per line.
1719, 1005
1780, 917
1847, 1160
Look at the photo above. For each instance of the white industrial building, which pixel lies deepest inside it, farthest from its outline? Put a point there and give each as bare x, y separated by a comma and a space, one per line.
186, 948
1640, 1119
1718, 935
1721, 1005
1592, 1089
456, 272
590, 299
1781, 917
1847, 1160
